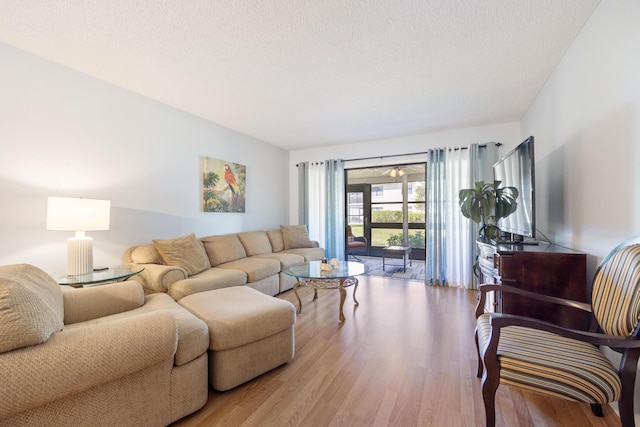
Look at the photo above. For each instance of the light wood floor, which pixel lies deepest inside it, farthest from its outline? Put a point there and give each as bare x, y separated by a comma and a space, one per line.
404, 357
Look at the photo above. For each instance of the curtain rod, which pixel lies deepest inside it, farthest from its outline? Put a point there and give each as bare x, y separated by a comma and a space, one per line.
498, 144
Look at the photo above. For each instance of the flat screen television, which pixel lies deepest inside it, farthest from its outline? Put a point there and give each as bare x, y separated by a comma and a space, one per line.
517, 169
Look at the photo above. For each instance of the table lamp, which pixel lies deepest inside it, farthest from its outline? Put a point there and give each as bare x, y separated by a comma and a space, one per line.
79, 215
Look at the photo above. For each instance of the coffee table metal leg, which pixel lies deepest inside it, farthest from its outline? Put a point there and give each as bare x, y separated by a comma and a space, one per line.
355, 288
295, 291
343, 295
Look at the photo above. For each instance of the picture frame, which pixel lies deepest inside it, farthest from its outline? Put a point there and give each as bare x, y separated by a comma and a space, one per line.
223, 186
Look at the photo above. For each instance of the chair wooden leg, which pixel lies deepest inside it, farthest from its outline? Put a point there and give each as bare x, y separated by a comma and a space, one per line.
596, 408
489, 387
628, 369
480, 365
491, 377
625, 406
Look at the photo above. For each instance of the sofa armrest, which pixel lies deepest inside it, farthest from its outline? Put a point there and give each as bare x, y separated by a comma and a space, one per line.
79, 358
159, 278
82, 304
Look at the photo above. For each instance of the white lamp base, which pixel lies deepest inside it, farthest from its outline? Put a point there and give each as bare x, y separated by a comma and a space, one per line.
79, 254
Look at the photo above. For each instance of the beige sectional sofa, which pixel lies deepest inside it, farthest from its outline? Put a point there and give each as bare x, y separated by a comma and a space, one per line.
187, 265
106, 355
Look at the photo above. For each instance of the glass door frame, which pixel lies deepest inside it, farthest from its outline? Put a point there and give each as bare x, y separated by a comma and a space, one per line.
405, 227
365, 189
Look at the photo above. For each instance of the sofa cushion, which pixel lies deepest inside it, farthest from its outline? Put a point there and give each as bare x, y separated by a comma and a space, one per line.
255, 268
31, 306
286, 260
193, 335
296, 236
81, 304
186, 252
276, 240
309, 254
240, 315
255, 242
146, 254
223, 248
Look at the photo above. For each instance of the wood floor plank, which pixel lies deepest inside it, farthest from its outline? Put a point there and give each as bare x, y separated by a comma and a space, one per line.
404, 357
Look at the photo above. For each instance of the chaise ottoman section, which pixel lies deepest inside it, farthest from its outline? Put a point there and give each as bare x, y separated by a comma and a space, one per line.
250, 333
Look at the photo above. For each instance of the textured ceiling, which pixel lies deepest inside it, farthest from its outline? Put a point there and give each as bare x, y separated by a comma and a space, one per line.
299, 74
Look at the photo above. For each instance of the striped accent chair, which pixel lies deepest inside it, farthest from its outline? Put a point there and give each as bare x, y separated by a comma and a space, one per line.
541, 357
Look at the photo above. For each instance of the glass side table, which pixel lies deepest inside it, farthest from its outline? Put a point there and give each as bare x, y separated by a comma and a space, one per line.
110, 275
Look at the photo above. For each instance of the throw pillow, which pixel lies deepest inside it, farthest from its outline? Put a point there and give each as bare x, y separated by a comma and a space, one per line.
186, 252
31, 307
275, 238
224, 248
296, 236
255, 242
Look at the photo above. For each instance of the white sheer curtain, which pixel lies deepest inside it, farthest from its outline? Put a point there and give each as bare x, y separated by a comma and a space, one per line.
322, 199
461, 232
317, 207
451, 238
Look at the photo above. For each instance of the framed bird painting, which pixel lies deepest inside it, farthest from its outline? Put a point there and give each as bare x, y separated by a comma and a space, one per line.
223, 186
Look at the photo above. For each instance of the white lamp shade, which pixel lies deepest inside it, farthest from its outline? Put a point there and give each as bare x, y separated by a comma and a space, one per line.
79, 215
72, 214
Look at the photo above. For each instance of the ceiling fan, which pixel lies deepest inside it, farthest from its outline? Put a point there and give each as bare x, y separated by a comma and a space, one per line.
396, 171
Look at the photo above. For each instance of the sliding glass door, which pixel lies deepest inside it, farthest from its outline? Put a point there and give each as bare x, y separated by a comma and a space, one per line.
386, 205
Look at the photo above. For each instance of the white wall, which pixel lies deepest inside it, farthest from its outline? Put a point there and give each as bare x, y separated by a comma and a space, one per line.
63, 133
586, 121
506, 133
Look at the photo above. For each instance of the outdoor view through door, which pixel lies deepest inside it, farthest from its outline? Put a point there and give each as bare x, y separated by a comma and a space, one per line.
385, 208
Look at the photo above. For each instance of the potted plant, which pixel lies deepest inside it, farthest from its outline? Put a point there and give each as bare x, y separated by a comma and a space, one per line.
486, 203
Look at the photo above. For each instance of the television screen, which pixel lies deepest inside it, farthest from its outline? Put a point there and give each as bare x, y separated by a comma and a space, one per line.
516, 169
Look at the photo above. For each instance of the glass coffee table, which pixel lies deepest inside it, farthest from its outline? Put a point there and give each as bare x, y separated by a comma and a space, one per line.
340, 277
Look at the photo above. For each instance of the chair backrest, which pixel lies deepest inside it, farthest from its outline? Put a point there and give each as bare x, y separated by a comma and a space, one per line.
349, 232
615, 294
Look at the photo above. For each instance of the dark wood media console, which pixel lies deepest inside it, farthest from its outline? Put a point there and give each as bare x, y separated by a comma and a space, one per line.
542, 268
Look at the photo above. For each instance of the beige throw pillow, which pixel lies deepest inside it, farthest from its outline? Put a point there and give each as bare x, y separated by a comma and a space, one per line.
186, 252
255, 242
296, 236
223, 248
275, 238
31, 307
